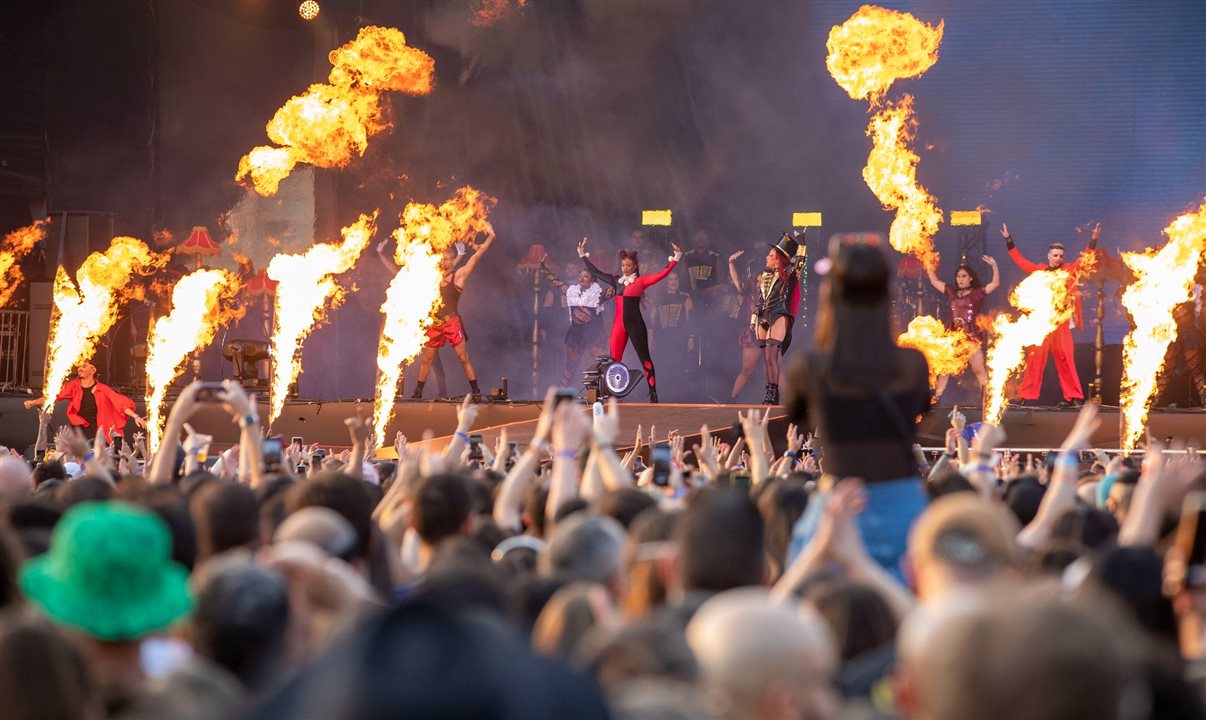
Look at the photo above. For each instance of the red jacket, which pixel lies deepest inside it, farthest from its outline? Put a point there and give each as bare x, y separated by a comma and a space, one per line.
111, 405
1072, 268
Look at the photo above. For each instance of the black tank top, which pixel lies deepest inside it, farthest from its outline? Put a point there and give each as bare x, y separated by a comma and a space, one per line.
451, 295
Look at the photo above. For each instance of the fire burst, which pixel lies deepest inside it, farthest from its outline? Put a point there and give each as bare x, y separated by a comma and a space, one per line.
867, 53
87, 308
15, 246
947, 352
1163, 280
1045, 300
331, 123
414, 293
306, 290
201, 303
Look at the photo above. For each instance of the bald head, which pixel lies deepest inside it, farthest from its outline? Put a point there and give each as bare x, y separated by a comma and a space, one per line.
16, 480
766, 659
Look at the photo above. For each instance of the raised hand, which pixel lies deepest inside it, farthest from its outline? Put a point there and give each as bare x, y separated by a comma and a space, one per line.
1004, 231
706, 453
1086, 423
607, 425
734, 256
989, 259
958, 420
400, 445
1096, 232
582, 247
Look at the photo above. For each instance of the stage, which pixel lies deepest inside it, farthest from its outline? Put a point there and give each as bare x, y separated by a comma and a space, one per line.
322, 423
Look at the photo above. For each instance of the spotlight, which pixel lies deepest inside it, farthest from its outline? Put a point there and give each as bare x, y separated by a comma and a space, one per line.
656, 217
806, 219
308, 10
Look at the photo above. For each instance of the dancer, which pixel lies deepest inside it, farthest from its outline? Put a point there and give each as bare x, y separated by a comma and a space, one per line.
629, 287
1059, 342
448, 327
751, 353
966, 297
93, 404
584, 301
776, 308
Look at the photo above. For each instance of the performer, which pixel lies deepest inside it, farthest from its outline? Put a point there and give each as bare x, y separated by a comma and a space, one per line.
966, 297
776, 308
93, 404
748, 291
1059, 342
448, 327
584, 302
629, 287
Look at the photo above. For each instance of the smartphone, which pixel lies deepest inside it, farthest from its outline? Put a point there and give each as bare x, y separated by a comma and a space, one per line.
513, 447
317, 458
272, 453
475, 447
741, 481
563, 395
210, 392
296, 441
661, 465
1186, 564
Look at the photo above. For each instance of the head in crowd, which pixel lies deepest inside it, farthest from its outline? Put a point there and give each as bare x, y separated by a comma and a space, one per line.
857, 615
569, 616
226, 516
762, 660
588, 548
854, 325
720, 542
781, 505
16, 480
960, 541
43, 673
443, 508
345, 495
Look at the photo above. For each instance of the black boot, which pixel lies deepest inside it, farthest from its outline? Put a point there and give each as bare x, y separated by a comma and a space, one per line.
477, 393
653, 395
768, 398
418, 393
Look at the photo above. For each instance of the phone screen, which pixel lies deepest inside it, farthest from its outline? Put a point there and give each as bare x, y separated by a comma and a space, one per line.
661, 465
272, 453
475, 447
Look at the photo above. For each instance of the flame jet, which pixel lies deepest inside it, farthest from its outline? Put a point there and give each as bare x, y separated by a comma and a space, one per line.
413, 297
874, 48
1163, 279
201, 303
84, 310
331, 122
15, 246
306, 289
947, 352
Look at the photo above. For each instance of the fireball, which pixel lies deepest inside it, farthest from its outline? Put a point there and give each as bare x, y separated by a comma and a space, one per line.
15, 246
947, 352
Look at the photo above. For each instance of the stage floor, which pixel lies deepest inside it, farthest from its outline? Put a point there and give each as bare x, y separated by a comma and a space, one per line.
322, 422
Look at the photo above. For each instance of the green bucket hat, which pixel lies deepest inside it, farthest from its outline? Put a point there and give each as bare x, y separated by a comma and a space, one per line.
109, 573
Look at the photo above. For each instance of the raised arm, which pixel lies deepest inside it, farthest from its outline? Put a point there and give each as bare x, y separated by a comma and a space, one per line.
644, 282
1015, 254
386, 260
604, 277
467, 269
733, 274
938, 284
996, 275
552, 276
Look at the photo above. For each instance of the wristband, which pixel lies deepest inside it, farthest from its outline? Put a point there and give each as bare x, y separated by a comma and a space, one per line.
567, 454
89, 456
540, 444
790, 454
948, 455
1067, 459
248, 420
462, 435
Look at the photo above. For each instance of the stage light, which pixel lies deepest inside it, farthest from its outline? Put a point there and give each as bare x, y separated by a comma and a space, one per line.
308, 10
966, 217
806, 219
655, 217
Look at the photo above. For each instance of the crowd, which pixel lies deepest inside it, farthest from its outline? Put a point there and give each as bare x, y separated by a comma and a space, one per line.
826, 571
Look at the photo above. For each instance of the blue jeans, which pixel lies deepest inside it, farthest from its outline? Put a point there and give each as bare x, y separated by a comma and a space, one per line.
892, 506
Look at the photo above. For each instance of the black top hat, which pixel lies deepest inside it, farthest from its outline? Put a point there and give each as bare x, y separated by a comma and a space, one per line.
787, 245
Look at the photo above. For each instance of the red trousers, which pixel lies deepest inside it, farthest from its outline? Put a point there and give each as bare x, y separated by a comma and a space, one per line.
1059, 344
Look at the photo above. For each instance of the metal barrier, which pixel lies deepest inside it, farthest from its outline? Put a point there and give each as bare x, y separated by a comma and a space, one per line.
14, 349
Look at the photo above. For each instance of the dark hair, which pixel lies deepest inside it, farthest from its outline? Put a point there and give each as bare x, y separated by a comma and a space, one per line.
53, 470
854, 319
42, 672
533, 506
84, 489
859, 616
1023, 495
226, 517
975, 276
345, 495
945, 483
442, 505
241, 619
1055, 246
170, 506
573, 506
720, 541
781, 504
630, 255
1085, 527
1134, 577
10, 560
623, 505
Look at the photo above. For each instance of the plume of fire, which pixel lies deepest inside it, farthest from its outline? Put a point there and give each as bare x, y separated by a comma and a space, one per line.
202, 302
489, 12
1163, 280
946, 351
413, 297
891, 173
84, 310
1045, 299
876, 47
332, 122
15, 246
306, 290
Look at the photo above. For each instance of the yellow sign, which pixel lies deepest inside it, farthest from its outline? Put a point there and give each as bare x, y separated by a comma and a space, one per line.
806, 219
655, 217
966, 217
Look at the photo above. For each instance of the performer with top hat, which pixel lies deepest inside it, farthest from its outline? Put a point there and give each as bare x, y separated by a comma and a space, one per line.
777, 304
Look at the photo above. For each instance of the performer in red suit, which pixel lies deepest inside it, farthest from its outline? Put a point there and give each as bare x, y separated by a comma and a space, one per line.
1059, 342
93, 404
629, 324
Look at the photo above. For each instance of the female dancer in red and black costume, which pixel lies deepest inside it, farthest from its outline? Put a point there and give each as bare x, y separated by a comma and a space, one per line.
629, 324
778, 303
966, 297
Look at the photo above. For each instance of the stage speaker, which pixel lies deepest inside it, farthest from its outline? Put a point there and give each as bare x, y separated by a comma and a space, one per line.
41, 303
71, 237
